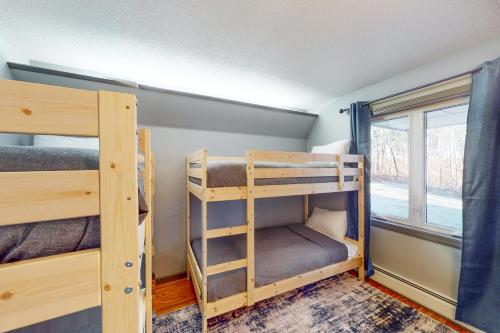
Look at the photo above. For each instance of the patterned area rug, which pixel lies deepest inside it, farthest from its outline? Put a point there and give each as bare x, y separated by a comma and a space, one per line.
338, 304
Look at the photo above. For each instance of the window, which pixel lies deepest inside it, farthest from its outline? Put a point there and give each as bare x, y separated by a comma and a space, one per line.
417, 167
389, 182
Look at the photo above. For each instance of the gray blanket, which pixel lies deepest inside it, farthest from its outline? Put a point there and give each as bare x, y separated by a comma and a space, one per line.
227, 173
33, 240
280, 253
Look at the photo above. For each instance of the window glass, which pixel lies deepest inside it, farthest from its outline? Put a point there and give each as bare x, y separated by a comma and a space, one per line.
445, 143
390, 168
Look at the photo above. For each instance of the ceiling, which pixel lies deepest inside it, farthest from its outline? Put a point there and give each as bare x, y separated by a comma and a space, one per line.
290, 53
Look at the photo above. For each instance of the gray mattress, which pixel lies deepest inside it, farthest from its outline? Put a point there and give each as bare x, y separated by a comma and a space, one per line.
280, 253
33, 240
227, 173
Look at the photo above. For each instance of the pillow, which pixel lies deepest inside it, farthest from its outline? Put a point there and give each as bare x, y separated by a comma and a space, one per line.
330, 223
337, 147
65, 141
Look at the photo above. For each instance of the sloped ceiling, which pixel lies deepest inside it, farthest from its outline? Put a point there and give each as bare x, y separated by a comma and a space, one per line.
292, 53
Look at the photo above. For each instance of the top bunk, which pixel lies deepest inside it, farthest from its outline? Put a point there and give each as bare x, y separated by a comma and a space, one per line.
265, 174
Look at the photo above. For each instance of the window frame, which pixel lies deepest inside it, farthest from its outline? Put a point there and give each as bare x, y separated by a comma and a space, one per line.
417, 224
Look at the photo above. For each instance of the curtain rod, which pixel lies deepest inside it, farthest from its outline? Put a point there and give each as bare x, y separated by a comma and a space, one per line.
417, 88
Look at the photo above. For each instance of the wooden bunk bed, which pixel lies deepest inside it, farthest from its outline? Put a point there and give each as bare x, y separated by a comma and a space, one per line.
43, 288
265, 174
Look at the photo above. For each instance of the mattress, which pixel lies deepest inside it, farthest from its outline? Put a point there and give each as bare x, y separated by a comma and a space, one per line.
33, 240
232, 173
280, 253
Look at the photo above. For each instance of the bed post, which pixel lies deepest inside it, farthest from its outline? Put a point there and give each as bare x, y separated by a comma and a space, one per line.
188, 217
249, 155
306, 208
204, 227
145, 148
120, 265
361, 218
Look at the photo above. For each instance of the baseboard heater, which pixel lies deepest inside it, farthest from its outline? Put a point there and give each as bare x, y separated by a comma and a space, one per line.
416, 286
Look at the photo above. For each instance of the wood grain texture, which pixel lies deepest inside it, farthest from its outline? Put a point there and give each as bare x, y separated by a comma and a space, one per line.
42, 109
269, 191
172, 296
145, 149
36, 290
226, 266
119, 202
48, 195
299, 157
229, 231
250, 157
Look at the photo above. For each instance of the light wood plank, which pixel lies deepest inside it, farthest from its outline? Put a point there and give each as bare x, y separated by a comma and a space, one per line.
226, 266
306, 208
145, 149
301, 280
361, 221
197, 190
48, 195
36, 290
194, 264
197, 156
269, 191
226, 304
36, 108
195, 172
225, 193
196, 283
298, 157
250, 156
302, 172
119, 202
229, 231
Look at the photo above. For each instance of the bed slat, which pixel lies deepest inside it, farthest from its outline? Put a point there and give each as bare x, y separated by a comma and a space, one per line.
42, 109
36, 290
226, 266
302, 172
226, 304
298, 157
298, 281
269, 191
229, 231
48, 195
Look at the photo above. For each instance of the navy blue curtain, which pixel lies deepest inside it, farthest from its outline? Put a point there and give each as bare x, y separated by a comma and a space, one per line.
479, 285
360, 144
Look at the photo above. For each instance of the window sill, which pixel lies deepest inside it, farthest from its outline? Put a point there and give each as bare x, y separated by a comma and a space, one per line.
428, 235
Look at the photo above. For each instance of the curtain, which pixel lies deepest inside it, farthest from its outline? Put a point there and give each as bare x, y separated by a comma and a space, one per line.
360, 144
479, 284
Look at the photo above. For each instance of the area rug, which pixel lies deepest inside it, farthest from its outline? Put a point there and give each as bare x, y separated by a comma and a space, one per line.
337, 304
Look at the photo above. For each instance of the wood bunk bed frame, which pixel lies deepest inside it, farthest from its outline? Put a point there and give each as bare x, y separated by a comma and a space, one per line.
36, 290
199, 275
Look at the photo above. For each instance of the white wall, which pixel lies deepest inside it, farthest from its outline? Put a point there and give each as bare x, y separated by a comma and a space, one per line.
171, 145
433, 265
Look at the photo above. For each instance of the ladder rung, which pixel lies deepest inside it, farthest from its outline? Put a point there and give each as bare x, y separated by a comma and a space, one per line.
226, 266
222, 232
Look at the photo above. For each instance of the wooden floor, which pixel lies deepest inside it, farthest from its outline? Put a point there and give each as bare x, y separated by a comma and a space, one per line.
172, 295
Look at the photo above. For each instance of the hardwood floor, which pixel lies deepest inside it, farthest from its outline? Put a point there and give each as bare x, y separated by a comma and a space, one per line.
172, 295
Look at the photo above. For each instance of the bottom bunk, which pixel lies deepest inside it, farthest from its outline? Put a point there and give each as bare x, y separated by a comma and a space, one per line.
280, 253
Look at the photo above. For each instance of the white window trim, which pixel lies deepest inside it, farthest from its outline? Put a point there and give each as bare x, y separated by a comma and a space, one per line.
417, 166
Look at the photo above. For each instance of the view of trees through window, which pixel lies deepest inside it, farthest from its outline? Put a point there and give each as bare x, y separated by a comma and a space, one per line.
390, 167
445, 144
437, 188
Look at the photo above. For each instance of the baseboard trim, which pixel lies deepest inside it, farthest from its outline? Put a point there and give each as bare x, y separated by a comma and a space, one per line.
422, 295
